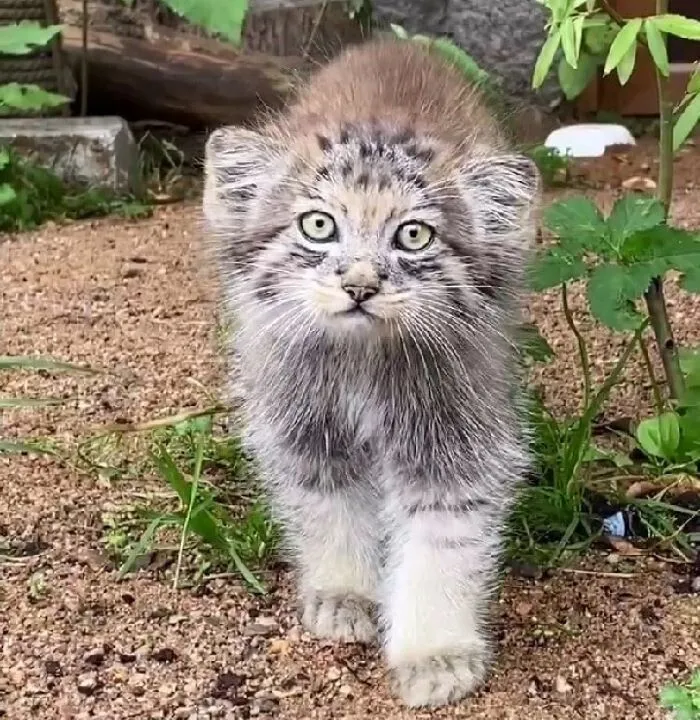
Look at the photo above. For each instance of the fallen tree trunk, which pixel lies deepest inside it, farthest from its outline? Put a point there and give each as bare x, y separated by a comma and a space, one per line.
164, 80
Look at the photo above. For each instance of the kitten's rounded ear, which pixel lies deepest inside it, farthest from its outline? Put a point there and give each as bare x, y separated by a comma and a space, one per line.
503, 190
238, 164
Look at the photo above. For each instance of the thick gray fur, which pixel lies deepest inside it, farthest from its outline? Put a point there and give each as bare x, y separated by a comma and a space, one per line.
390, 444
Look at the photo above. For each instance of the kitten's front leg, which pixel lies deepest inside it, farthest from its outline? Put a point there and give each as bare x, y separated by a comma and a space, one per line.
441, 572
333, 533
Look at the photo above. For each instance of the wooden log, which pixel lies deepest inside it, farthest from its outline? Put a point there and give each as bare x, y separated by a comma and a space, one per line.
164, 80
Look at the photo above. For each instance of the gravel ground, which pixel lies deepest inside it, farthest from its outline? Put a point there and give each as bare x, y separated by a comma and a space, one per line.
136, 299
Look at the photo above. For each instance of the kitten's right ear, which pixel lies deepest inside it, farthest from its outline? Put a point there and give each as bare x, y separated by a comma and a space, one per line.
238, 164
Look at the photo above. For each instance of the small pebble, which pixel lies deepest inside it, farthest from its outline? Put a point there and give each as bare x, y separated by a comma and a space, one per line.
88, 683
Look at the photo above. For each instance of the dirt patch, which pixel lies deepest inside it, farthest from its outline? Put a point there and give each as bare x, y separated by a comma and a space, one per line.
137, 300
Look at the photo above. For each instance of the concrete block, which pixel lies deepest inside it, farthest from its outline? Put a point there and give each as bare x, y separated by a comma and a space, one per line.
97, 151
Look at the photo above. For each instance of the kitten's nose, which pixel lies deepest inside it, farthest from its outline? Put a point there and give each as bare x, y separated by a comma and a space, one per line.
360, 293
360, 281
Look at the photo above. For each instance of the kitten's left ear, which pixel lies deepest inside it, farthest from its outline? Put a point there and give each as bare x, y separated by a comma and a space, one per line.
502, 191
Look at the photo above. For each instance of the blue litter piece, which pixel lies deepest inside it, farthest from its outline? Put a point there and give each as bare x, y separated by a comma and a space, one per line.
615, 525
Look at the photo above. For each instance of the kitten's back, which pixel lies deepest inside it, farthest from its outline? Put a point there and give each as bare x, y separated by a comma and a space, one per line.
399, 82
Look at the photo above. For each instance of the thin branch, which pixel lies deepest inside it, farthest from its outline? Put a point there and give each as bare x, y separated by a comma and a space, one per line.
658, 400
582, 351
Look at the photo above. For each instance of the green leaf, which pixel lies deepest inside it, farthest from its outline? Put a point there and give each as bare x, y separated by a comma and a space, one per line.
612, 291
545, 59
568, 42
574, 81
666, 248
660, 436
553, 267
686, 122
464, 62
657, 46
626, 40
679, 26
4, 157
215, 16
14, 96
533, 344
22, 38
7, 193
625, 67
578, 224
631, 214
694, 82
597, 37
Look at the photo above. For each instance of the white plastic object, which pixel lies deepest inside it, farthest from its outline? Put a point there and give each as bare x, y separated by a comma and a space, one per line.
588, 139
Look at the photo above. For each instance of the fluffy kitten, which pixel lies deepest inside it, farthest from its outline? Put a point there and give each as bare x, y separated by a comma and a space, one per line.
372, 241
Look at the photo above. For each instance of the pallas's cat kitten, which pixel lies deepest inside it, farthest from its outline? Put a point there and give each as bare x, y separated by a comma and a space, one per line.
372, 241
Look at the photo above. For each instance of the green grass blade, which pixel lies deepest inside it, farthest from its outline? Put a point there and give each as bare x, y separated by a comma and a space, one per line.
13, 403
23, 362
141, 547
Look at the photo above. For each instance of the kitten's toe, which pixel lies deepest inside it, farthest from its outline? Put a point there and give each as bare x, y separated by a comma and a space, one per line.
344, 618
441, 679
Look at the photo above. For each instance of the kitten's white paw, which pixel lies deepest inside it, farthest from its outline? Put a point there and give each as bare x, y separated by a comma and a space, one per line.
441, 679
344, 618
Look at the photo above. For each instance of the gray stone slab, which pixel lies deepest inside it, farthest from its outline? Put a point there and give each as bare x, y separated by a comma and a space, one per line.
503, 36
97, 151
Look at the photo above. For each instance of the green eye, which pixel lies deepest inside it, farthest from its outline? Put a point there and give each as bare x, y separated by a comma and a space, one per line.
317, 226
414, 236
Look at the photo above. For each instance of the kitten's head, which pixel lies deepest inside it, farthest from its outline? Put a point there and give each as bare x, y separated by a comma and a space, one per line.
368, 228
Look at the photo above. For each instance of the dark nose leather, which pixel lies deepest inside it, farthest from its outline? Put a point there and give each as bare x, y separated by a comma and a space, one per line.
360, 293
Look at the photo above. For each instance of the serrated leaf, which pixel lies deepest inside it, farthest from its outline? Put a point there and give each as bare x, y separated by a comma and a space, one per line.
657, 46
7, 193
553, 267
574, 81
626, 40
679, 26
215, 16
631, 214
686, 122
545, 59
612, 292
22, 38
578, 224
666, 248
625, 67
660, 436
568, 42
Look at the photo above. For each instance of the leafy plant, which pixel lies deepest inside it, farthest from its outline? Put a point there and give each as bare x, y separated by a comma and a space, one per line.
222, 18
683, 700
22, 39
31, 195
553, 166
184, 452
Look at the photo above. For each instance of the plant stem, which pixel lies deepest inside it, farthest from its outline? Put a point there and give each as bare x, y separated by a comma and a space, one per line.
582, 351
654, 296
658, 400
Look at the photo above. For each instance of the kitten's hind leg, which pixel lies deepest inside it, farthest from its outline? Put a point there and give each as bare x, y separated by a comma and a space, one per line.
440, 577
334, 536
